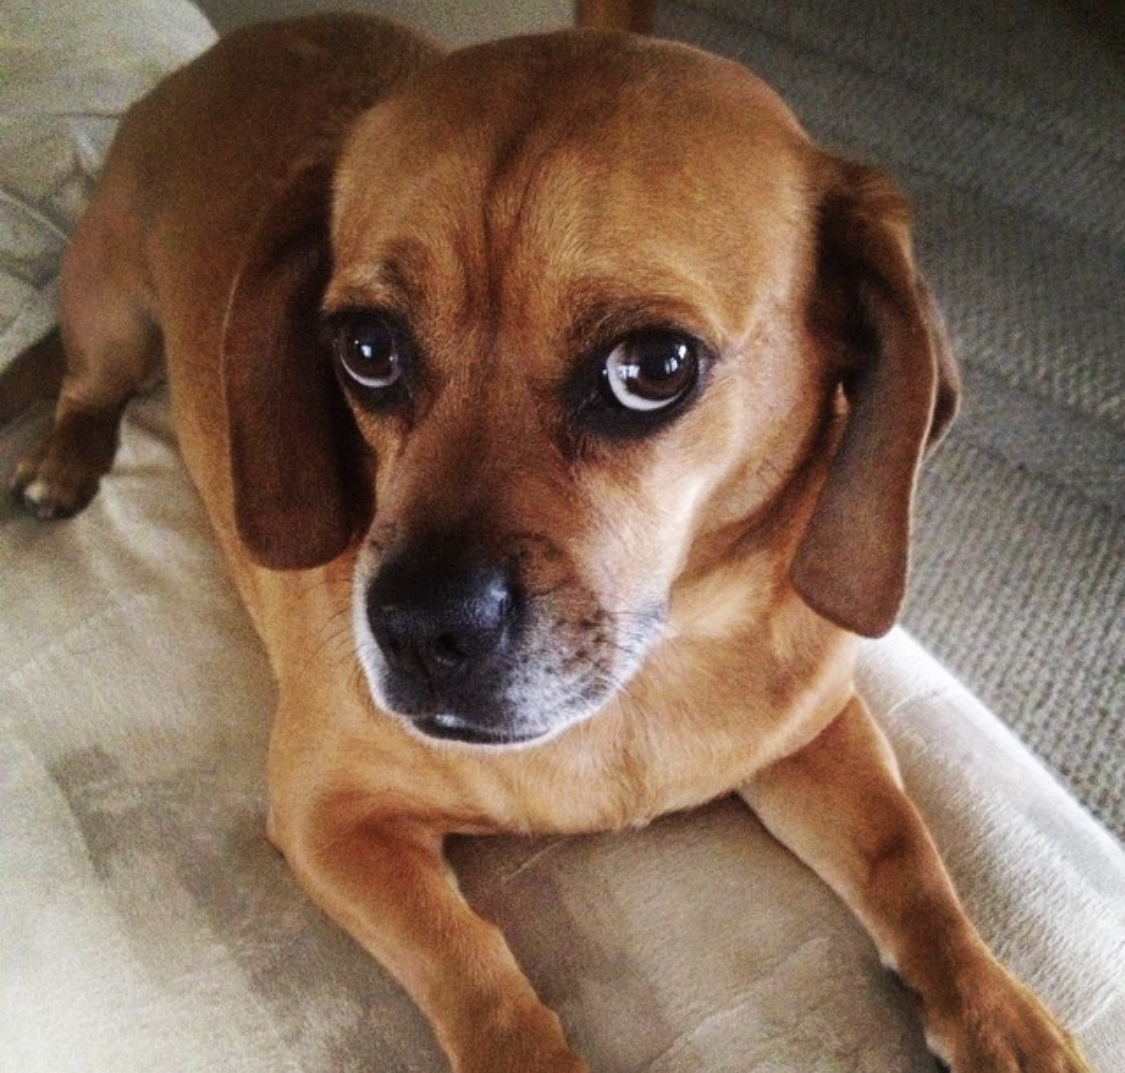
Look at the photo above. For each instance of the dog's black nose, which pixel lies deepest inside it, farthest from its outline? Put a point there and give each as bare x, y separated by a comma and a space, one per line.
438, 619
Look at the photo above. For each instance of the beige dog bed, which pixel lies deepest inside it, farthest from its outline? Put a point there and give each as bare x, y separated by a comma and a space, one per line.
145, 922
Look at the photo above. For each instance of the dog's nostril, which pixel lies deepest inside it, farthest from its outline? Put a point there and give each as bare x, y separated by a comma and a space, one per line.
448, 649
438, 622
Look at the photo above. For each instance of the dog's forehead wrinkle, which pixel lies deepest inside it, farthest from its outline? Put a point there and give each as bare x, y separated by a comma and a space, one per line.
710, 277
511, 227
394, 277
602, 308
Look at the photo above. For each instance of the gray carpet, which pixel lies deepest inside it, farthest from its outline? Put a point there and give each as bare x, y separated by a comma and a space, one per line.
1005, 120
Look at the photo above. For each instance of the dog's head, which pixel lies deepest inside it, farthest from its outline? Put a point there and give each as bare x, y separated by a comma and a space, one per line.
571, 319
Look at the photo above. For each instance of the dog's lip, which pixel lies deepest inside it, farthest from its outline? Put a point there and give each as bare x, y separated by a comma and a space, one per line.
446, 727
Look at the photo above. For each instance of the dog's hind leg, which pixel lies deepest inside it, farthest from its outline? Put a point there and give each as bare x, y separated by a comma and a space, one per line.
110, 341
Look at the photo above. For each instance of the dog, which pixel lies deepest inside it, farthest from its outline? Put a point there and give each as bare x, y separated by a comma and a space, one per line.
592, 394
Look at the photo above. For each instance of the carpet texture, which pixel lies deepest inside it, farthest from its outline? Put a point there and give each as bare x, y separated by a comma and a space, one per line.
1004, 122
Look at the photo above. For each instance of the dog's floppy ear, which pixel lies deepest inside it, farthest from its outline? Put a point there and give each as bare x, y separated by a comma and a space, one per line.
874, 315
298, 497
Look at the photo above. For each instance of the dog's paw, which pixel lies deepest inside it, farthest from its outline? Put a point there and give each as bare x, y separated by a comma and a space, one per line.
557, 1062
530, 1041
44, 488
1000, 1027
60, 476
522, 1059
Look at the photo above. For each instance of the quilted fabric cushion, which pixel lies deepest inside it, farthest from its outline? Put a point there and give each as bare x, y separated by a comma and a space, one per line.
70, 68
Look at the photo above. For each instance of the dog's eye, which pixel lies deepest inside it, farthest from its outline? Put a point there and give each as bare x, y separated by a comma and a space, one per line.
368, 349
650, 370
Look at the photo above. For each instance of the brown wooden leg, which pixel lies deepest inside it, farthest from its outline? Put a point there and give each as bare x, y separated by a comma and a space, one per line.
635, 15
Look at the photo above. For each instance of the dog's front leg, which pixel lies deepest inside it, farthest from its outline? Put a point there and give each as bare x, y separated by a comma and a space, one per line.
386, 882
839, 805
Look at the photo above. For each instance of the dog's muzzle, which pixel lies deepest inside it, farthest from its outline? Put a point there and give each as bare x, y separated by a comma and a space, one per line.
447, 627
494, 642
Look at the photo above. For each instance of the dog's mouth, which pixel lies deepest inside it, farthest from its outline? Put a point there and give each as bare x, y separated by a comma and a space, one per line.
448, 727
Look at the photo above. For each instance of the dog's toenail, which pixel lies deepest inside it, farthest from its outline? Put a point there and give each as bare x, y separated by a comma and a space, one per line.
37, 492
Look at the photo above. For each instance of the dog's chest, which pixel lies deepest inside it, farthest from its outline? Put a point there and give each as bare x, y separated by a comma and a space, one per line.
623, 769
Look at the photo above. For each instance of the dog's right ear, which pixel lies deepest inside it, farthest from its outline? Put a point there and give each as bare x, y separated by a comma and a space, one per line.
299, 496
873, 313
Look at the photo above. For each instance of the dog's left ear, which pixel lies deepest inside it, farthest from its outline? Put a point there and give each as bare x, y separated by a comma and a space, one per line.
299, 499
873, 314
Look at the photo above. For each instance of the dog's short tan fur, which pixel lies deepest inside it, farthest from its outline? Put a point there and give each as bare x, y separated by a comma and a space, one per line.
693, 593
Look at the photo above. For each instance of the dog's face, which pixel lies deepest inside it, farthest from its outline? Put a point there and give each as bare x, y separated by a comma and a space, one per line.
558, 354
586, 323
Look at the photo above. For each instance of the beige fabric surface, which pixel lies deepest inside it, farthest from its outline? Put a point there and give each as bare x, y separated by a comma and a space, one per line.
146, 924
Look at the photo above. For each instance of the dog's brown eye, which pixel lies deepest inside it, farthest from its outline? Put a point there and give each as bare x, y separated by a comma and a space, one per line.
367, 347
651, 370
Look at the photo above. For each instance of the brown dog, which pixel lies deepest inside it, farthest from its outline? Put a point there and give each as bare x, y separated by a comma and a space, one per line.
593, 394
